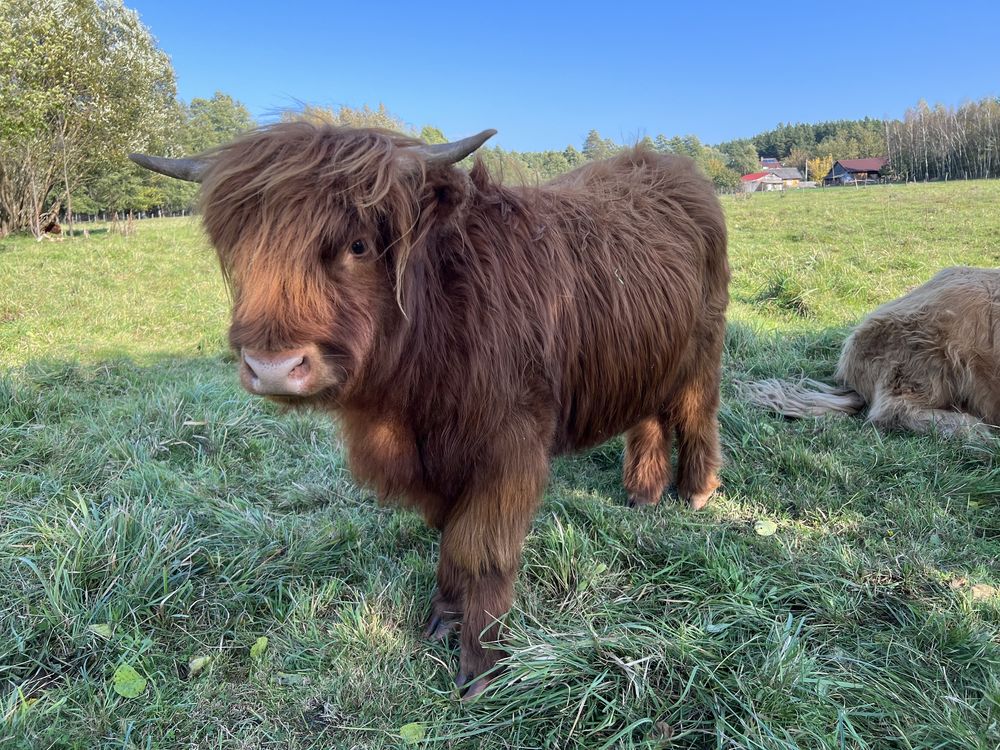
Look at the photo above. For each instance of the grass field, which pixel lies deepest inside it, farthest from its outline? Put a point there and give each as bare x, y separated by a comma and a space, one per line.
152, 513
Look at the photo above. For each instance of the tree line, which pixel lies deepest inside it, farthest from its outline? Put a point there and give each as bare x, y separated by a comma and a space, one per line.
84, 83
942, 143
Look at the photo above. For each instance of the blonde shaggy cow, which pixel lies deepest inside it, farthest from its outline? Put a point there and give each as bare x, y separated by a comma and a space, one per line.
928, 361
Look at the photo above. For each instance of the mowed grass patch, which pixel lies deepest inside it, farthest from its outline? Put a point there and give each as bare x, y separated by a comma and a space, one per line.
152, 513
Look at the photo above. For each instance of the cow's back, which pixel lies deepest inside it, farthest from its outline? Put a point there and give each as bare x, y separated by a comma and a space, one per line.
639, 246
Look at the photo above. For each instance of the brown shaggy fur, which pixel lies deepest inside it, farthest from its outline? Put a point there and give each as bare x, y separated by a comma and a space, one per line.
929, 360
488, 328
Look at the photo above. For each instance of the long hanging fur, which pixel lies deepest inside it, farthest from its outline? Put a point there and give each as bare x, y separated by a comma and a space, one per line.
807, 398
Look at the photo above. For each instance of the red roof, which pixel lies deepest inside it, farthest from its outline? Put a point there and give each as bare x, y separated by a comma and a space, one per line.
754, 176
874, 164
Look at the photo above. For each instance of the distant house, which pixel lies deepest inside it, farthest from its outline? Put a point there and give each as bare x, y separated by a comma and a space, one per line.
768, 162
761, 182
790, 176
847, 171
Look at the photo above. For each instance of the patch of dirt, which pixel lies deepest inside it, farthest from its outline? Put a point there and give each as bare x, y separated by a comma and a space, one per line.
9, 315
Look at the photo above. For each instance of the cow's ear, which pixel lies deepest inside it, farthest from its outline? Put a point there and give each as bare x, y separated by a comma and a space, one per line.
447, 193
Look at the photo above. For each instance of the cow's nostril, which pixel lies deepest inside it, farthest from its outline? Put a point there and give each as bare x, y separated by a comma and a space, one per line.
300, 370
274, 374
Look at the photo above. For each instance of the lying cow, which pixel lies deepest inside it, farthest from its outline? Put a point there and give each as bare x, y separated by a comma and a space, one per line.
465, 332
929, 360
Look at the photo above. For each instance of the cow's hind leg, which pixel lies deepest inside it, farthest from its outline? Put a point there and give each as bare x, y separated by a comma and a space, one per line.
694, 413
891, 412
647, 461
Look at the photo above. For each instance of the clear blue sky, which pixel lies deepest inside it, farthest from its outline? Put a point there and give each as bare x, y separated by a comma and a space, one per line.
545, 75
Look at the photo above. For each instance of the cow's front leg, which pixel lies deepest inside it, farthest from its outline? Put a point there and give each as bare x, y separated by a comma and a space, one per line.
447, 601
489, 596
483, 539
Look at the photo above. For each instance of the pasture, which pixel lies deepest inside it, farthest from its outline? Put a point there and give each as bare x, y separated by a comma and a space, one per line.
152, 513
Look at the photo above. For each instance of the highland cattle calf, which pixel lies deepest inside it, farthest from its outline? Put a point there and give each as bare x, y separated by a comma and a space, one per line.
929, 360
465, 332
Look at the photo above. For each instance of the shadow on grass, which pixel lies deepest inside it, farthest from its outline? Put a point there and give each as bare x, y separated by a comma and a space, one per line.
170, 404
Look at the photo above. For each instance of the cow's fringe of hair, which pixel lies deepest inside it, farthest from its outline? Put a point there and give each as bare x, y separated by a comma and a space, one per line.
807, 398
279, 185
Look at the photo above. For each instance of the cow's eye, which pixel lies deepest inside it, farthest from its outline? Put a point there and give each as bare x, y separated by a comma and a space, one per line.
358, 248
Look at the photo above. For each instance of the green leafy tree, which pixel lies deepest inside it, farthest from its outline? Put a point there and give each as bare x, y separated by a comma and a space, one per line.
83, 84
595, 147
689, 145
204, 124
717, 171
573, 157
212, 122
843, 138
194, 128
741, 156
797, 157
430, 134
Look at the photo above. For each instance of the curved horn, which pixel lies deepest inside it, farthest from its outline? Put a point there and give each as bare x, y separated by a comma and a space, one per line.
192, 170
449, 153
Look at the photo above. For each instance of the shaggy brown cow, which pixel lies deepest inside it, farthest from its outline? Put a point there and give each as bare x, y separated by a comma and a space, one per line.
928, 360
465, 332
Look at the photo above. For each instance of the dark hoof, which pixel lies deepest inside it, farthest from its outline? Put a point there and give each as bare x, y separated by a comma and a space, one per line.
470, 688
445, 618
438, 628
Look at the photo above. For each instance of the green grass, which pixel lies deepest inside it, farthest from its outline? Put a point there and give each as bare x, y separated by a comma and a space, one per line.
141, 491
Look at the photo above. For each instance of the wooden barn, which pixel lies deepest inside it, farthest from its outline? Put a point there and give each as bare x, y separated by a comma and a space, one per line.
852, 171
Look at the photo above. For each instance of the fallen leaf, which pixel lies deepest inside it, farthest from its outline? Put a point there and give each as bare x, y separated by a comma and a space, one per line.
765, 527
258, 648
128, 683
285, 678
981, 591
197, 664
101, 629
412, 733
